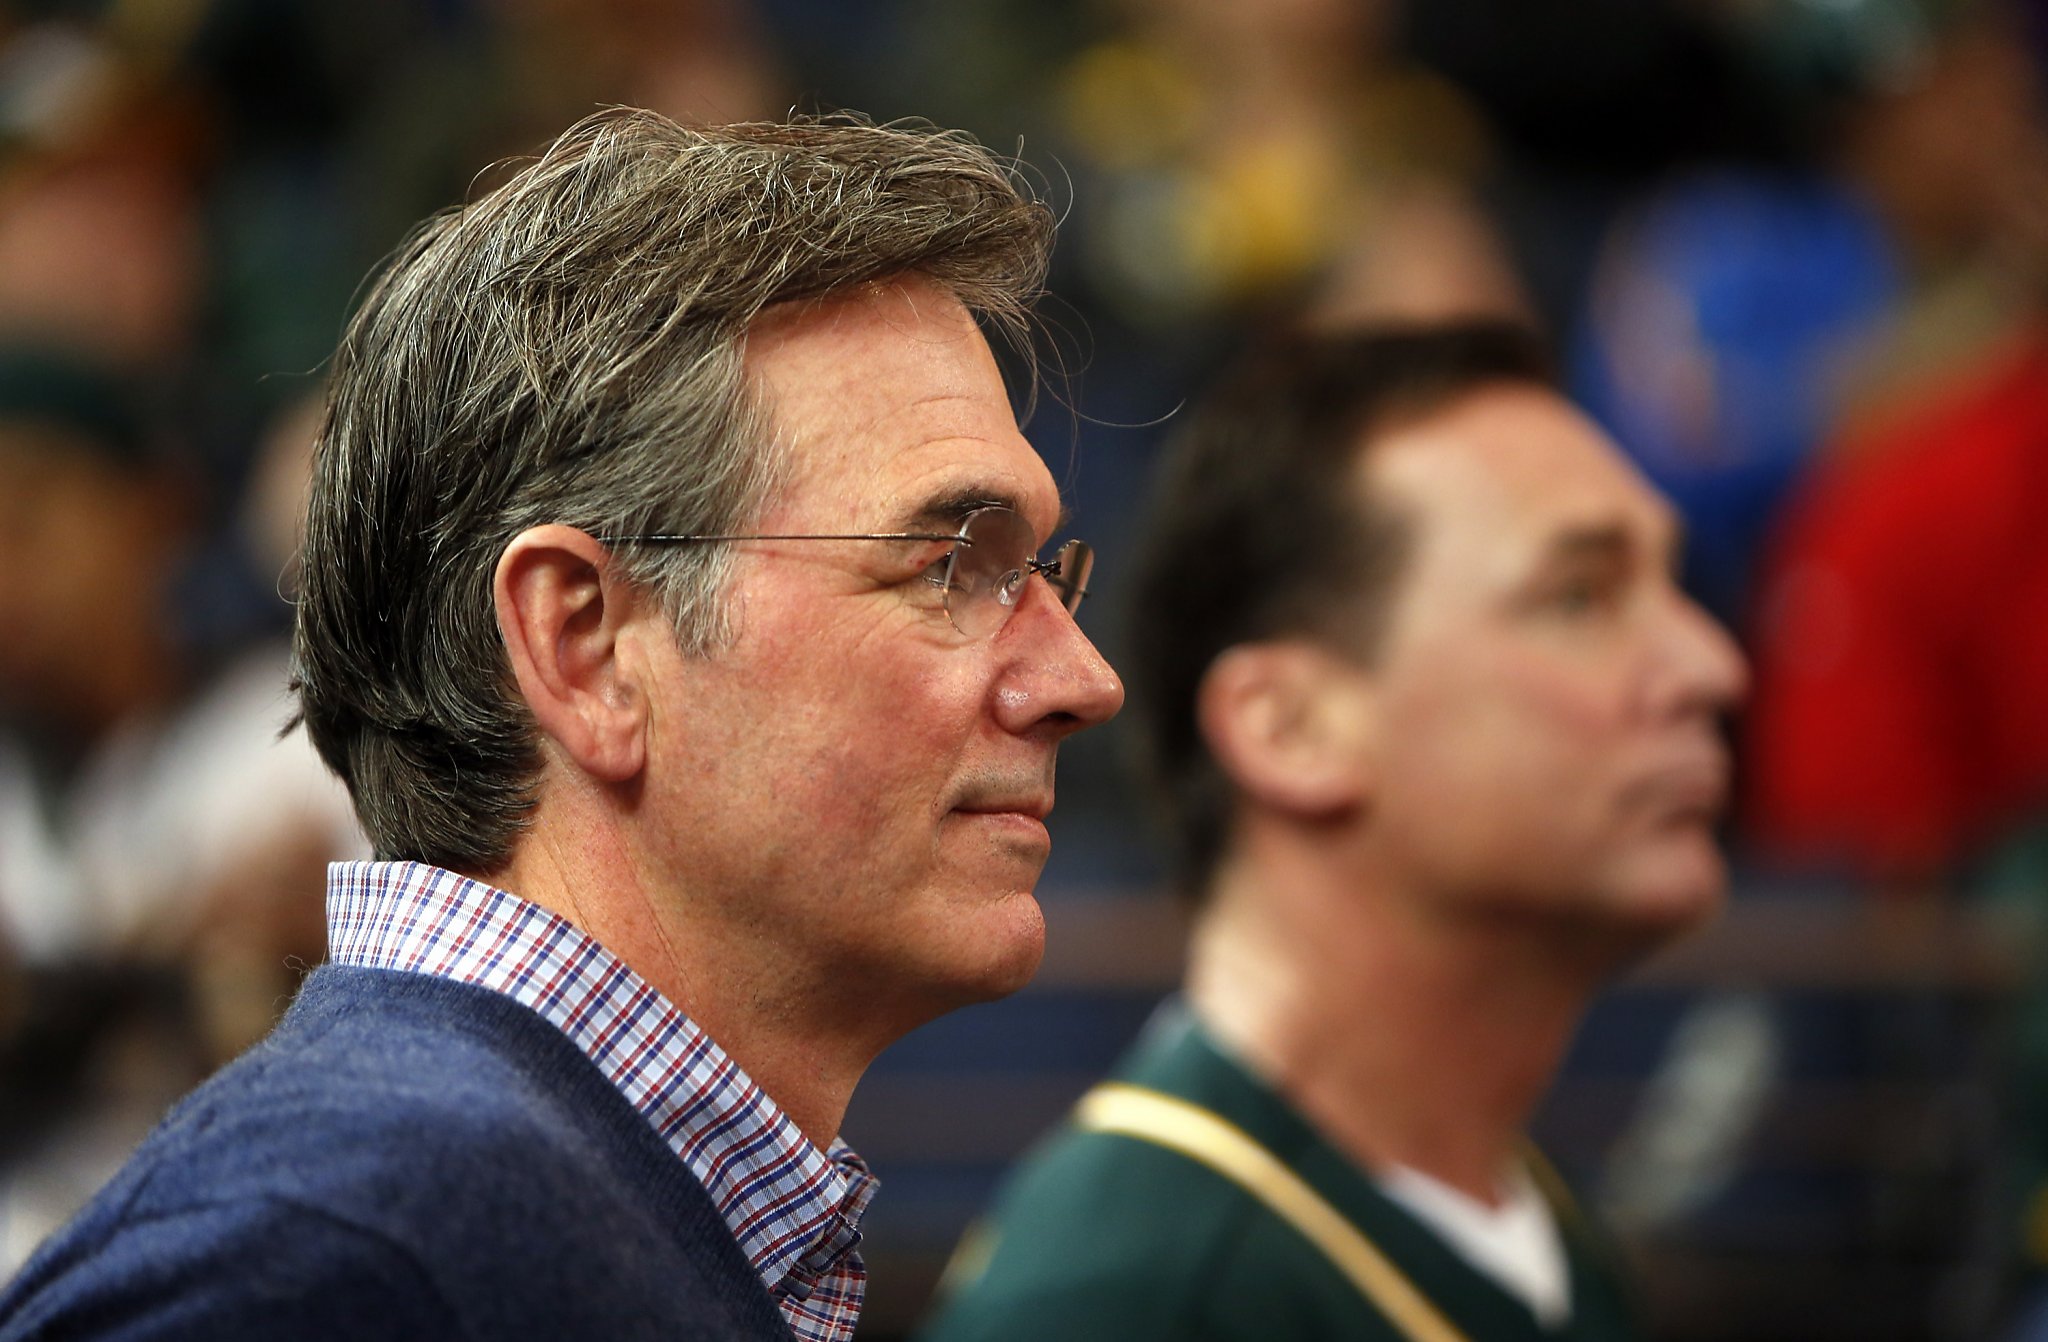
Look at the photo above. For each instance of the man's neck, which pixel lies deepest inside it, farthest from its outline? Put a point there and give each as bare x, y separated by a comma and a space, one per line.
1406, 1040
715, 979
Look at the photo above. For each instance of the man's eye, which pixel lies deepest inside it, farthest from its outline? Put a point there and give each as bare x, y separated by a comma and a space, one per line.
1577, 596
935, 572
1585, 595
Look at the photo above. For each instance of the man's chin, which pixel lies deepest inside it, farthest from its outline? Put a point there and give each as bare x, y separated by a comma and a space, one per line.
1001, 982
1014, 950
1678, 894
993, 951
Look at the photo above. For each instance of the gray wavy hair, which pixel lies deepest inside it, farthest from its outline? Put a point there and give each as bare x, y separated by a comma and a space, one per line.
570, 348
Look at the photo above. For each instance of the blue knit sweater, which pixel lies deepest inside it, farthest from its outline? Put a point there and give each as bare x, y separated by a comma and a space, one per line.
404, 1157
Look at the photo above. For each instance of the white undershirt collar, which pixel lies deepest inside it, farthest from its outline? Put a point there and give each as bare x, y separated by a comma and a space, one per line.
1517, 1244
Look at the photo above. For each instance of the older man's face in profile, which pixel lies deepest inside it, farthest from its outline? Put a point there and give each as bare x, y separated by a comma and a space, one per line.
881, 779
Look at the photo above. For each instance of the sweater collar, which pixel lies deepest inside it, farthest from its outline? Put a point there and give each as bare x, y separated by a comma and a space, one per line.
794, 1210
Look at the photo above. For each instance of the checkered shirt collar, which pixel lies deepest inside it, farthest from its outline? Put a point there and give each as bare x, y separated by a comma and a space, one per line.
794, 1210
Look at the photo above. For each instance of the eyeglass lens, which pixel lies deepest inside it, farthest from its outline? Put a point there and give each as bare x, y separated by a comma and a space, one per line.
987, 575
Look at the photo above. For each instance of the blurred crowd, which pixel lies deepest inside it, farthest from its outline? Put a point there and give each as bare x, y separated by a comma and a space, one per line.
1793, 253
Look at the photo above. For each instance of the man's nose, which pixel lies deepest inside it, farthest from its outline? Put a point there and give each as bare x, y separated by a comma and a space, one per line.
1055, 682
1705, 667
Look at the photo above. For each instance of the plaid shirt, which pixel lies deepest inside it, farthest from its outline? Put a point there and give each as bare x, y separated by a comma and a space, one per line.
794, 1210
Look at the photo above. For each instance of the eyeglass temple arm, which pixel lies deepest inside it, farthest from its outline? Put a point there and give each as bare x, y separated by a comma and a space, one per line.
863, 536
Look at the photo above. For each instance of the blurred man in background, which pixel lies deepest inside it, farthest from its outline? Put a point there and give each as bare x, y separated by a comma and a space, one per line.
1439, 738
671, 608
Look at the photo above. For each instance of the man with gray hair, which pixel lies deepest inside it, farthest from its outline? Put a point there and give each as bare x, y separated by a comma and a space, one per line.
672, 609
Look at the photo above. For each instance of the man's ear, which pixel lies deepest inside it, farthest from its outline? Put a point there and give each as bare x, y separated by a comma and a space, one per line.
560, 611
1292, 724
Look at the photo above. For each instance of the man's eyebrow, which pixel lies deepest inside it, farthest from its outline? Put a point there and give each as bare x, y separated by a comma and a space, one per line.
1596, 540
1608, 541
948, 510
951, 508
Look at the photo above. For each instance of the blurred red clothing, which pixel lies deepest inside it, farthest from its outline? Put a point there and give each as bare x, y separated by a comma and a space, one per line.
1901, 707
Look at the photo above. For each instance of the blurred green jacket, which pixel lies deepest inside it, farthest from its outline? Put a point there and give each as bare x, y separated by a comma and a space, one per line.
1108, 1236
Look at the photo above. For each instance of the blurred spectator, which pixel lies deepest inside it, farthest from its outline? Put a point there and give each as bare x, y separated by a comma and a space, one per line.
1899, 722
1436, 739
1233, 158
1722, 321
1899, 635
161, 851
1896, 735
1737, 311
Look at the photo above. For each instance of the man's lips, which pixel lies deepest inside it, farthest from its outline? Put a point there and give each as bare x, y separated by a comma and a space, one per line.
1032, 807
1018, 823
1022, 790
1694, 791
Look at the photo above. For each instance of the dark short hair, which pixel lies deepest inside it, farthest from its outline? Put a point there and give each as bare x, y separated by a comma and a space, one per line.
569, 347
1260, 528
